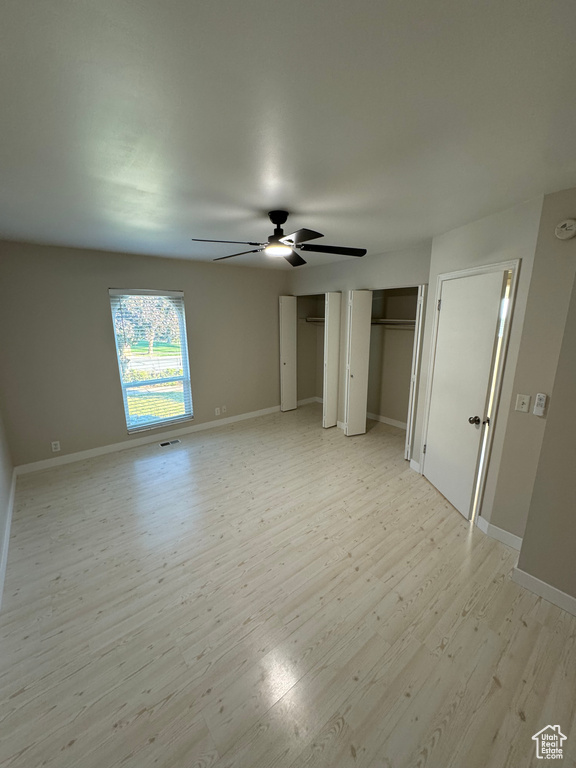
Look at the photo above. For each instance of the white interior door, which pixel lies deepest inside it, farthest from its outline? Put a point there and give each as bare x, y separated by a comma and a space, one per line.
357, 360
288, 334
332, 306
467, 331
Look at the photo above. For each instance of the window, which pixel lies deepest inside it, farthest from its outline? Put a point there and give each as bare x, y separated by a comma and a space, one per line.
150, 331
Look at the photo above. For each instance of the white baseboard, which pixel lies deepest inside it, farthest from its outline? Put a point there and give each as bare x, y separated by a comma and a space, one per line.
385, 420
510, 539
308, 400
543, 589
415, 466
159, 437
4, 541
482, 524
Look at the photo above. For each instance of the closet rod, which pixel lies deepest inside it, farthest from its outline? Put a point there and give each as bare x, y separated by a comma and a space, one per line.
386, 321
375, 321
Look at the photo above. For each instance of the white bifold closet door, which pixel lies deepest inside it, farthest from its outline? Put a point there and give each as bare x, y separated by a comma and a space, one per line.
288, 334
332, 306
358, 317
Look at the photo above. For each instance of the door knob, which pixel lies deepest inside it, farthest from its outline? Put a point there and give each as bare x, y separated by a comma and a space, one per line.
474, 420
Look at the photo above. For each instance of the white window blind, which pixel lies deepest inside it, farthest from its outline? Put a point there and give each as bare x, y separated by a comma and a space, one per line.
150, 331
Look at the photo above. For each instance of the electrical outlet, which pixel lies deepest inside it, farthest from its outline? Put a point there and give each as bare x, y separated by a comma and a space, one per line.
217, 411
523, 403
223, 409
55, 446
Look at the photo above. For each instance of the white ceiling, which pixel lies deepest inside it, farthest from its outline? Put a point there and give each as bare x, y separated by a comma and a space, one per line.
134, 125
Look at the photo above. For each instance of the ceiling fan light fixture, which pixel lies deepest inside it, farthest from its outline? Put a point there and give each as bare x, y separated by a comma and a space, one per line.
277, 249
281, 246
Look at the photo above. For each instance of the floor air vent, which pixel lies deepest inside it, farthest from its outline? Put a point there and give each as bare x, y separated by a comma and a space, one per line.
169, 442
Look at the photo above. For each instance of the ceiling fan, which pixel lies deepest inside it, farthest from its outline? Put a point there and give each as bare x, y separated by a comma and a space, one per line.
282, 246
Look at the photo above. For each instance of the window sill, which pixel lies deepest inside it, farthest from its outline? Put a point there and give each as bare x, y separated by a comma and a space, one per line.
160, 425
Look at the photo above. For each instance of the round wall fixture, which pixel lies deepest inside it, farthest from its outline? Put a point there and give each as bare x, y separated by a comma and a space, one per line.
566, 229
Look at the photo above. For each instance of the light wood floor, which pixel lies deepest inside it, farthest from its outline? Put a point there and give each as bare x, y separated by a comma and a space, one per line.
269, 594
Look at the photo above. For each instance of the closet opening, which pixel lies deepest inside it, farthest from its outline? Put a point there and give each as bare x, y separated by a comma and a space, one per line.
310, 348
310, 352
394, 357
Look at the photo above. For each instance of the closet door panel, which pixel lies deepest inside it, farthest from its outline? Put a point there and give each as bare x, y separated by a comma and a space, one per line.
332, 306
288, 332
358, 357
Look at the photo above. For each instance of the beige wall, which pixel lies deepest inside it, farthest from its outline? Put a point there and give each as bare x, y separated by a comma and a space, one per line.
390, 270
505, 236
59, 376
549, 545
546, 311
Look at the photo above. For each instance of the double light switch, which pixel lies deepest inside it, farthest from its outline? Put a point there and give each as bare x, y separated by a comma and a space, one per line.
523, 404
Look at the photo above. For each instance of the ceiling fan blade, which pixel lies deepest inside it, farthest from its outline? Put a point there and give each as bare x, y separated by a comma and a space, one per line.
237, 242
295, 259
300, 236
342, 251
220, 258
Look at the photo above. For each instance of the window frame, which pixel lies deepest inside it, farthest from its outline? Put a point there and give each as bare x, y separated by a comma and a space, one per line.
115, 294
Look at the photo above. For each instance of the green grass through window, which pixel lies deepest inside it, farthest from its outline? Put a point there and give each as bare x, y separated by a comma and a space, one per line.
160, 350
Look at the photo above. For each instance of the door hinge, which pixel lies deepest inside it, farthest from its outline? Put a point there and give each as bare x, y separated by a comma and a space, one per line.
439, 304
424, 449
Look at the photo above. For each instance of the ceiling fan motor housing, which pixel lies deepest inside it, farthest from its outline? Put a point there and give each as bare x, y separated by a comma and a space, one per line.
278, 217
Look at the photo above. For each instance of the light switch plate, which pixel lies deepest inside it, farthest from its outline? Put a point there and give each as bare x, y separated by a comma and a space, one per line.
522, 403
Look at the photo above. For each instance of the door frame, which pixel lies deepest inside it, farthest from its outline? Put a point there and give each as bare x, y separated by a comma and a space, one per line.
481, 472
414, 371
